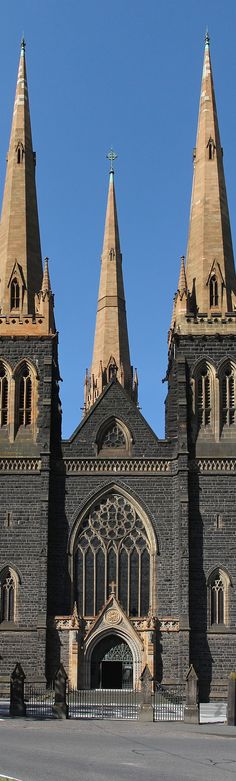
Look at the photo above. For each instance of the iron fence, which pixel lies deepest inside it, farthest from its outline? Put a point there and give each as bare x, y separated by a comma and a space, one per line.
169, 702
39, 700
103, 704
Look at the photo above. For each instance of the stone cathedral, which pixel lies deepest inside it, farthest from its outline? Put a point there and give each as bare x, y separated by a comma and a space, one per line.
118, 549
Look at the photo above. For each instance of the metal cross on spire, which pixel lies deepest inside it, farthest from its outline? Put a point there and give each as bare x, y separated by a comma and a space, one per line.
111, 156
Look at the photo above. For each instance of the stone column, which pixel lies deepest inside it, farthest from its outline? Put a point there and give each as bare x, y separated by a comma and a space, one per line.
17, 700
60, 707
231, 704
146, 710
191, 710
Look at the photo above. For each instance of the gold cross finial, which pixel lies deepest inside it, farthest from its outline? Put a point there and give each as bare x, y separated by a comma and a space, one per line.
111, 156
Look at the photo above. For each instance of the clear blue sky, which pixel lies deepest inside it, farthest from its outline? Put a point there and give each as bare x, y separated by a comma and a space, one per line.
125, 73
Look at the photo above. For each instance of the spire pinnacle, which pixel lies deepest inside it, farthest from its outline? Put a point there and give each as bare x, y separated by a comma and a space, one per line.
182, 284
23, 45
111, 358
46, 284
44, 301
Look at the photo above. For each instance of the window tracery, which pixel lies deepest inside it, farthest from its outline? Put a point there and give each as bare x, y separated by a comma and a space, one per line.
25, 397
113, 545
114, 437
218, 585
8, 597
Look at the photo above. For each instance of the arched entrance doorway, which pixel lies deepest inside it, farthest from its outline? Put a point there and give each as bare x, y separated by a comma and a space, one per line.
112, 664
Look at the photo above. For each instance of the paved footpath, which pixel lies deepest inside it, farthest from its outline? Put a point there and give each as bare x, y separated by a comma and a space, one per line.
116, 751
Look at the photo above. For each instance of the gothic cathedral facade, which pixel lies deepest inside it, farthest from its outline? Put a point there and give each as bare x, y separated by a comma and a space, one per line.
118, 549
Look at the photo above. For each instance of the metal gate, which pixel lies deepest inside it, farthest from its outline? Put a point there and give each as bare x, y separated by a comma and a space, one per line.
169, 702
103, 704
39, 700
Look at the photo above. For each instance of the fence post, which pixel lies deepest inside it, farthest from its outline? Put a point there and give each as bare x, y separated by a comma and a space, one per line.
231, 703
60, 707
191, 709
17, 700
146, 710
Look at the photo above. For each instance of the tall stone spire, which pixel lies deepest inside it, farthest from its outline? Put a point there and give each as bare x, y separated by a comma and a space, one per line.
20, 252
210, 264
111, 357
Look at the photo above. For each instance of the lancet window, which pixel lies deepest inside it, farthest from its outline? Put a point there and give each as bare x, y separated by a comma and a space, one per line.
214, 295
4, 395
228, 382
15, 294
113, 546
8, 597
25, 397
218, 585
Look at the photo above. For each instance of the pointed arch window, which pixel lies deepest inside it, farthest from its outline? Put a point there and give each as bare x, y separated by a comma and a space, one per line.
113, 436
214, 294
25, 397
8, 597
113, 547
4, 396
218, 586
228, 382
15, 294
203, 401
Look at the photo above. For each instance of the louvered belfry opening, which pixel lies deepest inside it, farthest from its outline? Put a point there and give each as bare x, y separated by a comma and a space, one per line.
228, 397
204, 398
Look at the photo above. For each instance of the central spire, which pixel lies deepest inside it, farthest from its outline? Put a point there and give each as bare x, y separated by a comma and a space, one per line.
111, 357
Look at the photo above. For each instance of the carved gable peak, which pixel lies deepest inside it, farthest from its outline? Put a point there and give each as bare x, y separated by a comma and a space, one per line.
18, 272
112, 617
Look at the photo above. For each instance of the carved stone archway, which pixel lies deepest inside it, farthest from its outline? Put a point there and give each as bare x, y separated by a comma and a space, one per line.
112, 621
